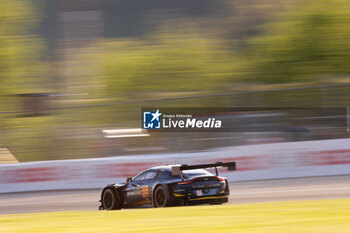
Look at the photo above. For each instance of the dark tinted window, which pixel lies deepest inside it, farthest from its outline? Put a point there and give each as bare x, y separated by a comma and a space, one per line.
149, 175
162, 174
139, 176
146, 175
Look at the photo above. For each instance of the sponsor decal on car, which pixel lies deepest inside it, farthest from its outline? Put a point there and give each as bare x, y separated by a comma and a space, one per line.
145, 192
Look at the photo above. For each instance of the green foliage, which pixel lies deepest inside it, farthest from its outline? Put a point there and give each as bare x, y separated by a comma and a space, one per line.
21, 71
166, 62
20, 50
302, 44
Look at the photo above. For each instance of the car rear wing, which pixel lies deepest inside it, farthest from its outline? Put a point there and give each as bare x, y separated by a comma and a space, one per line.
177, 169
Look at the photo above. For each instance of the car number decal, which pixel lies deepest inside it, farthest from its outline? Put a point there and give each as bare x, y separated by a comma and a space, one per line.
145, 192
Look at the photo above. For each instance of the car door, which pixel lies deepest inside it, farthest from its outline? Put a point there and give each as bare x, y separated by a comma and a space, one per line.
148, 181
132, 191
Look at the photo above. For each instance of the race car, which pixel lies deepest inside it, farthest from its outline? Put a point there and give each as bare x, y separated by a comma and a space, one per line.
171, 185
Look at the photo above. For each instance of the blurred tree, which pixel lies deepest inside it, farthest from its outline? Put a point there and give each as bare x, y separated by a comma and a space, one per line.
167, 61
20, 69
302, 44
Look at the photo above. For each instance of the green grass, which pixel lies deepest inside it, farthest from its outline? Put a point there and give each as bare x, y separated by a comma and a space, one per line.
331, 216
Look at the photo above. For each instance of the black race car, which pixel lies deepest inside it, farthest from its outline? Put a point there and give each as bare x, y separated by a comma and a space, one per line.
169, 186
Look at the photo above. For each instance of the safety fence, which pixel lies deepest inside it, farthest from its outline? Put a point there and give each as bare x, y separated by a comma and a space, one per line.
254, 162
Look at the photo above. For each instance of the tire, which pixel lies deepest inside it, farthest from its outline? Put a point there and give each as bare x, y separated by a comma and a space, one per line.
160, 197
110, 200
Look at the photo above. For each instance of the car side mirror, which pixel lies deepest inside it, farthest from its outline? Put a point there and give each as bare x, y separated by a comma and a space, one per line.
128, 180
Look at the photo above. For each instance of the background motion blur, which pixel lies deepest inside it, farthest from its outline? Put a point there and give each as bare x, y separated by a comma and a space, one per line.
70, 69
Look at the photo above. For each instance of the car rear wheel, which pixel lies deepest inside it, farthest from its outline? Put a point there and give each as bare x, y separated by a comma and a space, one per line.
110, 200
160, 197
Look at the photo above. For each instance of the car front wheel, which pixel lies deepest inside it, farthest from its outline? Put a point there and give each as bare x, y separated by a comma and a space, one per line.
110, 200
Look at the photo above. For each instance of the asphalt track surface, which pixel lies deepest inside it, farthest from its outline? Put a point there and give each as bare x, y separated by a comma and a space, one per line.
311, 188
